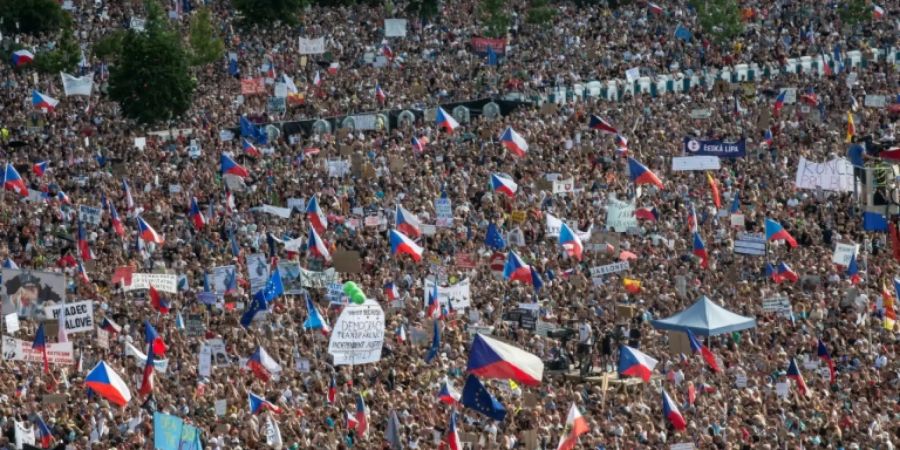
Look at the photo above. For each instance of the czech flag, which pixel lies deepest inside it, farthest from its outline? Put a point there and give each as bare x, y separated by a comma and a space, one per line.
262, 365
379, 94
148, 234
362, 417
22, 57
8, 263
776, 232
350, 421
40, 344
433, 301
152, 338
714, 188
63, 198
147, 380
314, 214
490, 358
516, 269
767, 138
514, 142
391, 292
784, 272
597, 123
452, 437
401, 244
160, 304
12, 181
39, 168
570, 242
400, 334
196, 215
332, 391
793, 373
853, 270
333, 68
317, 246
640, 174
504, 185
634, 363
779, 102
700, 251
42, 433
671, 412
446, 121
621, 144
448, 394
697, 347
407, 223
576, 425
43, 101
825, 356
632, 286
654, 8
314, 320
418, 144
877, 12
259, 404
250, 149
103, 381
84, 247
110, 326
647, 214
228, 166
129, 200
116, 221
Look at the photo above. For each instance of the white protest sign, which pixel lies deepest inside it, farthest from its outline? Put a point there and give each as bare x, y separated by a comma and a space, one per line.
843, 253
781, 389
89, 214
358, 334
302, 365
162, 282
564, 186
835, 175
12, 322
554, 224
459, 294
740, 380
443, 208
312, 46
597, 272
140, 142
682, 446
338, 167
204, 368
24, 434
633, 74
778, 304
875, 101
79, 315
103, 338
620, 216
317, 280
19, 350
220, 406
689, 163
284, 213
395, 27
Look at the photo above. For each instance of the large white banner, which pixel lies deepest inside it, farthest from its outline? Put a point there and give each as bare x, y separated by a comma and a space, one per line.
163, 282
620, 216
358, 334
460, 294
843, 253
317, 280
79, 315
159, 365
19, 350
554, 224
312, 46
834, 175
395, 27
615, 267
688, 163
77, 85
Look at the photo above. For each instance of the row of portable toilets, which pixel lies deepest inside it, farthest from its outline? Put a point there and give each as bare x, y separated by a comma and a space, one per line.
618, 90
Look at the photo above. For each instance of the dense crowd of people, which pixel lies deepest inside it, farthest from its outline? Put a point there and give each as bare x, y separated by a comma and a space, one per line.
91, 153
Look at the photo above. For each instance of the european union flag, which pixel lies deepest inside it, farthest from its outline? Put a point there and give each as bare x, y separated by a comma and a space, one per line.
873, 221
248, 130
435, 343
274, 287
735, 203
683, 33
257, 304
476, 397
494, 238
491, 56
233, 69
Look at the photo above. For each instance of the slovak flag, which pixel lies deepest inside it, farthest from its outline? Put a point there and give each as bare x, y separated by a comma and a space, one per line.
570, 242
39, 168
103, 381
115, 220
401, 244
154, 340
259, 404
317, 246
452, 437
446, 121
228, 166
576, 425
250, 149
505, 185
197, 215
853, 270
599, 124
784, 272
671, 412
490, 358
22, 57
448, 394
635, 363
779, 102
315, 215
700, 251
793, 372
148, 234
391, 292
407, 223
776, 232
697, 347
514, 142
262, 365
332, 391
43, 101
43, 433
640, 174
379, 94
12, 181
157, 302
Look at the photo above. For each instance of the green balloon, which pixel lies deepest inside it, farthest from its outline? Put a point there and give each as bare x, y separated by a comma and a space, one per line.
350, 287
359, 299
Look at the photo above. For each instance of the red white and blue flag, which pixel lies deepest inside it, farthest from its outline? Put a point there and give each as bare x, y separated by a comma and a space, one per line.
259, 404
147, 233
697, 347
22, 57
793, 373
43, 101
362, 416
315, 215
391, 292
158, 302
250, 149
448, 394
635, 363
452, 437
43, 433
570, 242
317, 246
103, 381
700, 250
12, 181
640, 174
84, 248
445, 121
197, 217
504, 185
671, 412
490, 358
228, 166
599, 124
39, 168
776, 232
262, 365
514, 142
402, 244
115, 220
379, 94
407, 222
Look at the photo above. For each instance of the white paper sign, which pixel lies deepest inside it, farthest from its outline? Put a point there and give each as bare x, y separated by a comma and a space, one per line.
103, 338
564, 186
19, 350
616, 267
89, 214
835, 175
633, 74
303, 365
12, 323
312, 46
459, 294
740, 380
162, 282
444, 211
140, 142
688, 163
79, 315
358, 334
781, 389
338, 167
843, 253
24, 434
682, 446
220, 406
204, 368
395, 27
620, 216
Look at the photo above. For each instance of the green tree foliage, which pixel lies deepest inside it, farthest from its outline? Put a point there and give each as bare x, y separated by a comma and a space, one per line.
32, 16
109, 46
268, 11
720, 19
539, 13
151, 81
64, 56
854, 12
494, 18
206, 45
